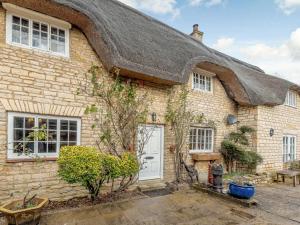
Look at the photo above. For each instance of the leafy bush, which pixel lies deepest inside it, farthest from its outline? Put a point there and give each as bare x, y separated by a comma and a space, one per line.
234, 149
129, 165
231, 153
91, 168
84, 165
250, 159
129, 168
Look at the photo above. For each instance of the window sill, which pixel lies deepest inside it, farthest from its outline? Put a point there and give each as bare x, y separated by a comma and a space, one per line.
291, 106
205, 156
31, 160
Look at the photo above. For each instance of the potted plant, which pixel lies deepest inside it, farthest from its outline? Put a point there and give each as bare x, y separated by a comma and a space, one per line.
244, 191
24, 211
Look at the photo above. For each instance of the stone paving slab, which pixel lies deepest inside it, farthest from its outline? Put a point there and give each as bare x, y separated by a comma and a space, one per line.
277, 205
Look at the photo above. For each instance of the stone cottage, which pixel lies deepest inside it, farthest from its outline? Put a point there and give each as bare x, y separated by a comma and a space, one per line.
46, 46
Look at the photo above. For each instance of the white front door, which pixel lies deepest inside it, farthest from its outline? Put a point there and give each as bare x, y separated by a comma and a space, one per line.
152, 159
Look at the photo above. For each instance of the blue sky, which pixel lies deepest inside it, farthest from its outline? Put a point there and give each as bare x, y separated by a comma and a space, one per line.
262, 32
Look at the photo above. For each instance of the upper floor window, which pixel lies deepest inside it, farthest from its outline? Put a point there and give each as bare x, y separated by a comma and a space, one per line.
25, 139
30, 29
291, 99
202, 83
201, 139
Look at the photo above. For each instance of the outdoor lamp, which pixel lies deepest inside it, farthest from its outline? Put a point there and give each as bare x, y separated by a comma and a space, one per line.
153, 115
271, 132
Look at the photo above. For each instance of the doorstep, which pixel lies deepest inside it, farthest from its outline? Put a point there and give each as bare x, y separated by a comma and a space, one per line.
150, 185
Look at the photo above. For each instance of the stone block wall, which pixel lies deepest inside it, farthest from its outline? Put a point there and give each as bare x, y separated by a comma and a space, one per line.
284, 120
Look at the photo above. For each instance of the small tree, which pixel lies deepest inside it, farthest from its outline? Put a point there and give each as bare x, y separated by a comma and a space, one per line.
118, 111
235, 149
84, 165
180, 119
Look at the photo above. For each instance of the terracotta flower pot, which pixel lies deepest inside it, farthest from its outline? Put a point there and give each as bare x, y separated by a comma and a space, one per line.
29, 216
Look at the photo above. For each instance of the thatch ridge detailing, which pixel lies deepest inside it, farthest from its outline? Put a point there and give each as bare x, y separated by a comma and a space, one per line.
142, 47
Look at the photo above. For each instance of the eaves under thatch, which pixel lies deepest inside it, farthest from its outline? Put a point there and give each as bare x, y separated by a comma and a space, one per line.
147, 49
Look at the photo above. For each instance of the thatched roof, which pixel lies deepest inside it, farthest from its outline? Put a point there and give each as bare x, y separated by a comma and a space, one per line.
145, 48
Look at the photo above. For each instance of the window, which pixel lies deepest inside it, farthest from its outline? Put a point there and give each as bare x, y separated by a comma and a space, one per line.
30, 29
289, 148
59, 132
201, 139
201, 82
291, 99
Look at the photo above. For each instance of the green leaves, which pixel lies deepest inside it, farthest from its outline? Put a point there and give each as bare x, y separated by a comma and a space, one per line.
234, 149
91, 168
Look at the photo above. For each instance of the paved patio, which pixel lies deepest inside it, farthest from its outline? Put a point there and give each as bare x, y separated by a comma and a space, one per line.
279, 204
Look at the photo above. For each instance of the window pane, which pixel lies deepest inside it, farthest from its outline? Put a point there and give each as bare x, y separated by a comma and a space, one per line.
25, 23
54, 30
52, 124
35, 38
64, 136
44, 28
42, 123
73, 136
29, 135
73, 125
42, 147
64, 125
29, 147
44, 41
16, 34
25, 36
52, 147
18, 147
18, 122
72, 143
62, 33
16, 20
18, 135
36, 25
29, 123
52, 136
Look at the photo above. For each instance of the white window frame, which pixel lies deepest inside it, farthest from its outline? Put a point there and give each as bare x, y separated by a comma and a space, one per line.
291, 99
206, 78
30, 15
286, 148
212, 140
10, 137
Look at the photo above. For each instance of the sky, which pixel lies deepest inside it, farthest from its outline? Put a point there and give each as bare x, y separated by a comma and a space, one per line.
265, 33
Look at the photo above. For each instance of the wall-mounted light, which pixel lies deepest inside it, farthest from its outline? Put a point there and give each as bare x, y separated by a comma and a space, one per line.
271, 132
153, 116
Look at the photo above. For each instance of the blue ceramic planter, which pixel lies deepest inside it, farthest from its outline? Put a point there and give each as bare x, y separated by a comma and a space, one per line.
241, 191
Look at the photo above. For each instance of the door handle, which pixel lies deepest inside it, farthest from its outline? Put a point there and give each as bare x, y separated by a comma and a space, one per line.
149, 157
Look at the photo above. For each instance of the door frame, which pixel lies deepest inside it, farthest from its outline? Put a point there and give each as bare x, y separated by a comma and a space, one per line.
162, 136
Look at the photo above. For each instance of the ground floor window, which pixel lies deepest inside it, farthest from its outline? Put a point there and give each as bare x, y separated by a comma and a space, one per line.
201, 139
58, 132
289, 148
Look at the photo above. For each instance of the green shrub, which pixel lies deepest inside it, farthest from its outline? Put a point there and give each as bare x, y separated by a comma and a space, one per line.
231, 153
129, 165
129, 168
250, 159
84, 165
112, 166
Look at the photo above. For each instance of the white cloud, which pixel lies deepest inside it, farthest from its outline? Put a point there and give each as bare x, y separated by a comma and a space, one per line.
223, 44
282, 60
205, 2
288, 6
155, 6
